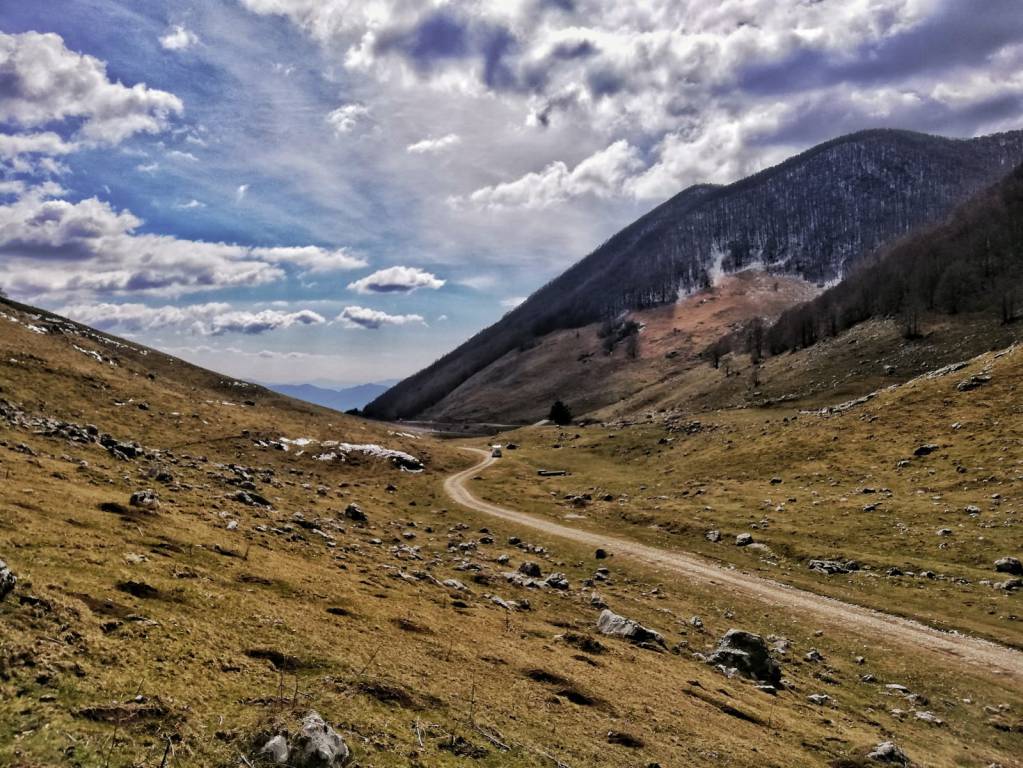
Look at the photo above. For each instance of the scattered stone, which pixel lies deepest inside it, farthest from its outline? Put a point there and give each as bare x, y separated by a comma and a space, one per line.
925, 450
977, 380
713, 536
831, 567
813, 655
744, 539
610, 623
251, 499
929, 717
318, 745
557, 581
146, 499
1009, 565
600, 554
820, 699
748, 655
7, 580
531, 569
887, 752
354, 512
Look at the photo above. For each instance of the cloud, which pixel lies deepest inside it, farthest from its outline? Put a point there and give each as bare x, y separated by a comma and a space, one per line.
178, 38
396, 280
311, 259
191, 204
361, 317
147, 167
42, 82
345, 118
177, 154
47, 143
56, 246
433, 146
603, 174
212, 319
239, 195
512, 302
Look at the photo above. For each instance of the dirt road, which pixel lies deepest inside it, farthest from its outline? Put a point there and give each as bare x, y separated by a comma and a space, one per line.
869, 623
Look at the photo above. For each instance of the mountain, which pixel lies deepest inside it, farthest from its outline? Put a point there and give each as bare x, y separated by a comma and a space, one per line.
811, 217
335, 399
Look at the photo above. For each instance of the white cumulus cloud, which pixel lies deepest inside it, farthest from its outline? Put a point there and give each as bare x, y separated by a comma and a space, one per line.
362, 317
45, 82
603, 174
211, 319
396, 280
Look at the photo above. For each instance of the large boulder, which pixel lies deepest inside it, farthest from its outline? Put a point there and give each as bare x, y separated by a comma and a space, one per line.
318, 745
7, 580
748, 654
610, 623
1010, 565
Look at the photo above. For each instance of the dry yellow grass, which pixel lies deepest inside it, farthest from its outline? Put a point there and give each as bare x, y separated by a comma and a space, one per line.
248, 625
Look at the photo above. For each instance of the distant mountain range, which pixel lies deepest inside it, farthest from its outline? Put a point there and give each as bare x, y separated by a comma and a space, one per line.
337, 399
813, 217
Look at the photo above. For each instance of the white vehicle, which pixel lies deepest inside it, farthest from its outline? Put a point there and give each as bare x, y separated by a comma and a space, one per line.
495, 451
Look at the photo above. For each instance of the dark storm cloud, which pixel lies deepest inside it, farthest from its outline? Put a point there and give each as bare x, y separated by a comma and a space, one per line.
958, 34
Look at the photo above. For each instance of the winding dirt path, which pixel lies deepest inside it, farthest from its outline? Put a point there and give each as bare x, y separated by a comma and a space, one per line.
953, 648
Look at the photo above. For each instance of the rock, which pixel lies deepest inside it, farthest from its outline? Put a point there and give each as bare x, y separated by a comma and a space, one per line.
977, 380
925, 450
600, 554
1009, 565
354, 512
531, 569
820, 699
748, 654
276, 750
7, 580
557, 581
146, 499
813, 655
714, 536
944, 532
833, 566
318, 745
610, 623
251, 499
929, 717
744, 539
972, 509
887, 752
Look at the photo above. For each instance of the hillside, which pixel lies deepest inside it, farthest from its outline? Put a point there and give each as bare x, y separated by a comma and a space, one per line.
812, 216
192, 578
971, 264
590, 367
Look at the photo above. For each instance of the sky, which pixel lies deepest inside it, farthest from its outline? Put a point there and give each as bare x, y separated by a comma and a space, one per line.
339, 192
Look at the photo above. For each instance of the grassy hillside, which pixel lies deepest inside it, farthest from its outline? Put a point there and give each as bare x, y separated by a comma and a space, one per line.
179, 635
